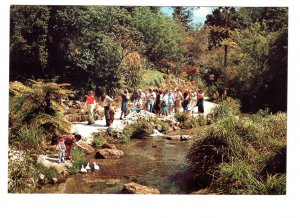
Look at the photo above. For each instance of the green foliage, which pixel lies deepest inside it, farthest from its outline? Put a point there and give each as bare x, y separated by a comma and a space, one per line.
141, 128
164, 125
242, 177
228, 107
246, 155
28, 40
37, 106
127, 134
152, 78
182, 117
30, 138
183, 15
99, 140
186, 121
66, 43
162, 37
50, 172
256, 57
99, 60
78, 159
21, 171
201, 121
220, 22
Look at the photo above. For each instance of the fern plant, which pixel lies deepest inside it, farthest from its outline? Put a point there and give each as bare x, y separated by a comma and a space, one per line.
37, 105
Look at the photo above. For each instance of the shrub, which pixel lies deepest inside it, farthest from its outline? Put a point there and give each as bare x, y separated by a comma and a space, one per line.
50, 172
185, 121
31, 138
164, 125
126, 134
37, 111
188, 124
141, 128
78, 160
98, 140
182, 117
21, 171
201, 121
242, 156
228, 107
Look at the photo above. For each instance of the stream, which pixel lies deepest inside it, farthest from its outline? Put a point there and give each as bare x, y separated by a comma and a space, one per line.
152, 161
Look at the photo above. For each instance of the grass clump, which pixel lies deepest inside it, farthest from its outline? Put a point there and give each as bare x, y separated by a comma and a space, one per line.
186, 121
98, 140
126, 134
162, 126
242, 156
182, 117
228, 107
77, 156
141, 128
201, 121
50, 172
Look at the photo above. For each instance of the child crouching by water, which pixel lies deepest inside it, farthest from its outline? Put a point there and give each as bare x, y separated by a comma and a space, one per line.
61, 147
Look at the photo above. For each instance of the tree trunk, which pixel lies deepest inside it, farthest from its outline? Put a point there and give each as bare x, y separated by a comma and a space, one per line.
225, 56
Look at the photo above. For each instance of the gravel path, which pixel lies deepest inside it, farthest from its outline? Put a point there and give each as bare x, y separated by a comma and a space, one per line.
86, 130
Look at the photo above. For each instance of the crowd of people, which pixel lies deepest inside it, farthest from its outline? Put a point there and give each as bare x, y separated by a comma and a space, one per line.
159, 102
165, 102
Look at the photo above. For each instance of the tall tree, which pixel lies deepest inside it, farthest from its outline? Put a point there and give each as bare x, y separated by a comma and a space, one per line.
28, 36
162, 37
222, 20
184, 15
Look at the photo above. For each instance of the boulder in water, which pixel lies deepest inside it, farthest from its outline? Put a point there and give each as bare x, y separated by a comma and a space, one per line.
174, 137
107, 153
179, 137
109, 146
135, 188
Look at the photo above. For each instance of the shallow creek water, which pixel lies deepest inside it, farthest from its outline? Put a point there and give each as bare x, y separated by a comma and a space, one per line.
152, 161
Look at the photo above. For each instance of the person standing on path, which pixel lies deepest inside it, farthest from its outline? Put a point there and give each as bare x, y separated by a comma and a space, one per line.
124, 106
157, 104
61, 149
186, 101
200, 99
170, 101
178, 99
134, 95
164, 103
106, 103
91, 105
193, 102
151, 96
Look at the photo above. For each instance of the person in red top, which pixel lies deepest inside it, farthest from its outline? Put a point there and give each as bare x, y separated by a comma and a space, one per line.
91, 104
